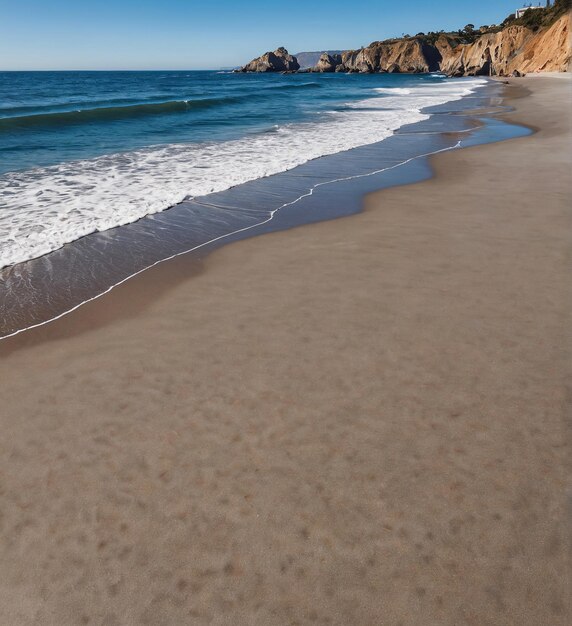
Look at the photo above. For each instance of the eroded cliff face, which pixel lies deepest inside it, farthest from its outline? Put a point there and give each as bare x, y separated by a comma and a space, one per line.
516, 48
490, 54
547, 51
403, 55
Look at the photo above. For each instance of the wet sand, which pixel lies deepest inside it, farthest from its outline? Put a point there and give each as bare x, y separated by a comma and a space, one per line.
361, 421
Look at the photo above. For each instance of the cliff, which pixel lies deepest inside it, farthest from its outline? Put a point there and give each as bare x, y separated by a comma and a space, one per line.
519, 46
514, 49
402, 55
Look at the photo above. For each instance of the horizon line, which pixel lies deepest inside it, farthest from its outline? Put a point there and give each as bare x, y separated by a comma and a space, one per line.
161, 69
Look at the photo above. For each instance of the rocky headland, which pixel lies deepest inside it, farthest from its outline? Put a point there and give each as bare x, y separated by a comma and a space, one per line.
539, 41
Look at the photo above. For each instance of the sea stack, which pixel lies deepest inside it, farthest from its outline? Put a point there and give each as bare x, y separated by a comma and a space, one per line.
328, 62
278, 61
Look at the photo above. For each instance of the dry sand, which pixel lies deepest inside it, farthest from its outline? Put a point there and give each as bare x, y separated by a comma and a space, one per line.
357, 422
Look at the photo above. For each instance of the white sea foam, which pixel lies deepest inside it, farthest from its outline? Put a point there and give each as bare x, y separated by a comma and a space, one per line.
44, 208
394, 90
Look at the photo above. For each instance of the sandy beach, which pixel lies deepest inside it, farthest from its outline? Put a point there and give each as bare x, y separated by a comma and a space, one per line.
362, 421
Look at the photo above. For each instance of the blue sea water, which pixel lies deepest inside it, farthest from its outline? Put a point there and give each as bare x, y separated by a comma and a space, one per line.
50, 117
82, 152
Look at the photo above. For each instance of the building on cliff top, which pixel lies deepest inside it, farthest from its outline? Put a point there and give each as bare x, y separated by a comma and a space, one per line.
520, 12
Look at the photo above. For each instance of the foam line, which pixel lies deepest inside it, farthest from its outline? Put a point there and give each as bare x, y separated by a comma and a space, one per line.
270, 217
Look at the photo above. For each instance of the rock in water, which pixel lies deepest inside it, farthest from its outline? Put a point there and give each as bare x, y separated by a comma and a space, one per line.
328, 63
277, 61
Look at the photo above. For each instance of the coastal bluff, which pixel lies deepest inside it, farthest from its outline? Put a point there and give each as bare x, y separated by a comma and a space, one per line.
516, 47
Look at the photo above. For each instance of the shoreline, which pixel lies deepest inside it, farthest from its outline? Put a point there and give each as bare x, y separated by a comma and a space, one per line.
203, 180
356, 421
414, 165
213, 244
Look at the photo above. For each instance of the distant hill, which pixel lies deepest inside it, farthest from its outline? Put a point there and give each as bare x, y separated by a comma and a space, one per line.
310, 59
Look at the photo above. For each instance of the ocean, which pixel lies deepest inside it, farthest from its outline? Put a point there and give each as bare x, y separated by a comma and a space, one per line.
82, 153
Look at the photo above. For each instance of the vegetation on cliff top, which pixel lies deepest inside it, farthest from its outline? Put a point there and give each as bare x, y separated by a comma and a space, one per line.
533, 19
540, 18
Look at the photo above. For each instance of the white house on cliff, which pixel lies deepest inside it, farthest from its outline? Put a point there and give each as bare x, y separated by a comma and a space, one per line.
520, 12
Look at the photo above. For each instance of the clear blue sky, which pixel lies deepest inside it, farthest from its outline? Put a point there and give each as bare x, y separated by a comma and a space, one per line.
187, 34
